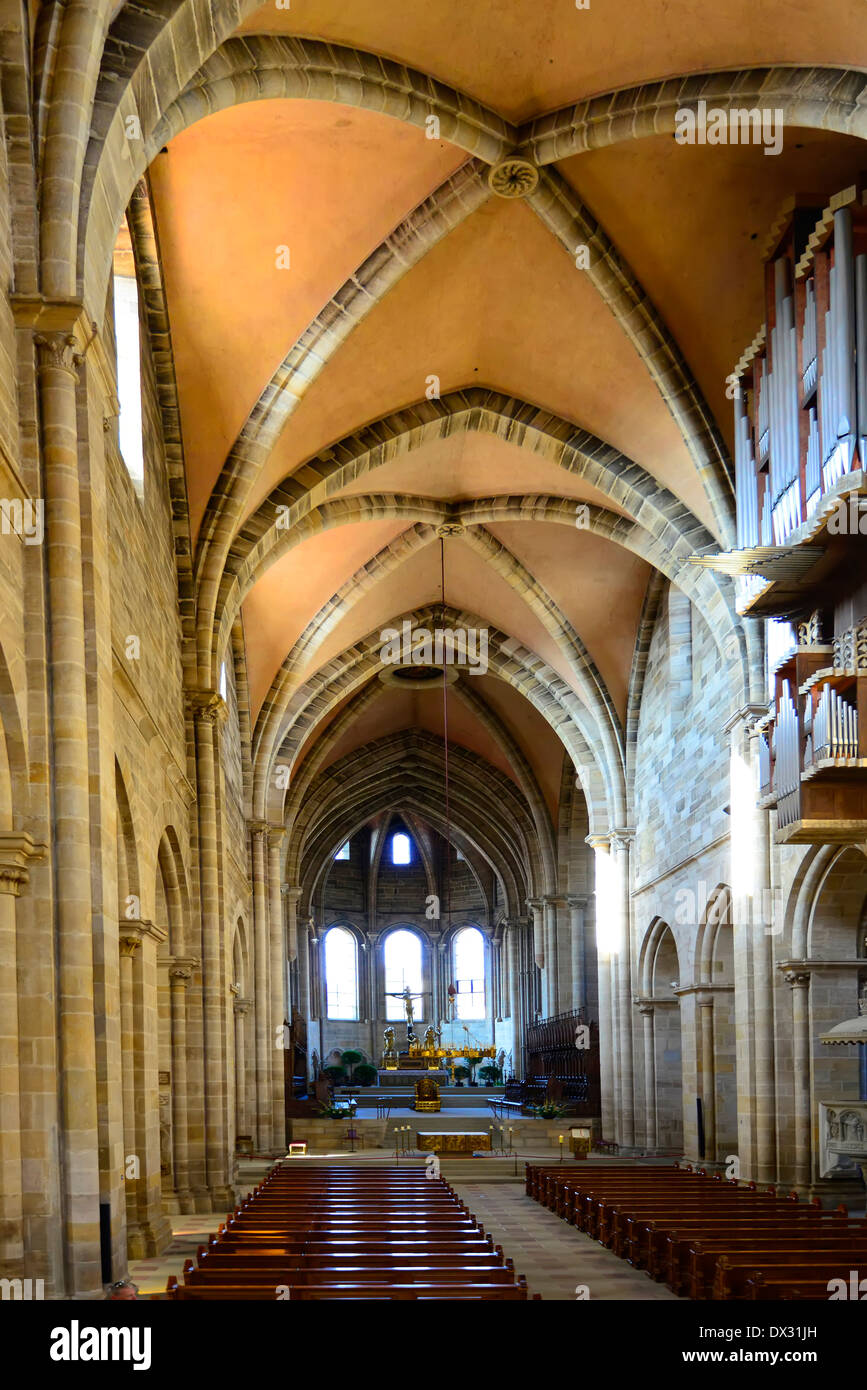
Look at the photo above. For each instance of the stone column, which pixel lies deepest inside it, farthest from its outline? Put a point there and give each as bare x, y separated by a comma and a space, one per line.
537, 920
209, 711
800, 984
265, 1038
620, 841
304, 969
129, 944
549, 910
704, 999
763, 976
242, 1009
139, 941
279, 1003
645, 1008
180, 974
577, 905
16, 849
750, 860
605, 935
292, 896
60, 345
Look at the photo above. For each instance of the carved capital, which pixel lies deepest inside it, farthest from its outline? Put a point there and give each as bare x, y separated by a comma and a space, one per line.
17, 850
207, 706
621, 837
291, 892
243, 1006
129, 944
798, 979
275, 835
58, 352
258, 828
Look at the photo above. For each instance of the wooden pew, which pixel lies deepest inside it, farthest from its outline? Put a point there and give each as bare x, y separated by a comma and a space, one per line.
354, 1233
316, 1293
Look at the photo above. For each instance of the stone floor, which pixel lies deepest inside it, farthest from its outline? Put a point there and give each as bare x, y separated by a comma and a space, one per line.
554, 1257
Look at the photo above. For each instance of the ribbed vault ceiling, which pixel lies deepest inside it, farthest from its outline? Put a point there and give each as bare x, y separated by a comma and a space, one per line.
308, 388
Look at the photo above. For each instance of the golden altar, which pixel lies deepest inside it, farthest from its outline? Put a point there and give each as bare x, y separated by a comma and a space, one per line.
454, 1141
434, 1058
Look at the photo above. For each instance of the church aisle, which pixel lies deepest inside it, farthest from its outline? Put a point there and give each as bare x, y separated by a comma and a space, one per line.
554, 1257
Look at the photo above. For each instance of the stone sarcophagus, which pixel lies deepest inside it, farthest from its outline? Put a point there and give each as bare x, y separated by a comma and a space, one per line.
842, 1138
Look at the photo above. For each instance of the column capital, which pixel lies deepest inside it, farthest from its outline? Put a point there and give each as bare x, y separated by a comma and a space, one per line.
534, 903
141, 929
644, 1006
129, 944
797, 979
579, 900
291, 892
275, 834
181, 970
621, 836
258, 827
746, 715
17, 850
553, 900
243, 1006
207, 706
62, 330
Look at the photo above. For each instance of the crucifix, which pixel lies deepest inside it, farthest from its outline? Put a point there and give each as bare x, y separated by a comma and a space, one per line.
407, 995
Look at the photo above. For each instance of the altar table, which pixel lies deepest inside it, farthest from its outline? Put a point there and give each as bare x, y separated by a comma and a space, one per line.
453, 1141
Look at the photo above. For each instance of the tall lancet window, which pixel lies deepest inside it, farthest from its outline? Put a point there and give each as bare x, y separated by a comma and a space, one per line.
127, 332
341, 975
402, 954
469, 968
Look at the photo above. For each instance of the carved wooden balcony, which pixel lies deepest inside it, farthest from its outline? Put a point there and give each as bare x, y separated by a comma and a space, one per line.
813, 744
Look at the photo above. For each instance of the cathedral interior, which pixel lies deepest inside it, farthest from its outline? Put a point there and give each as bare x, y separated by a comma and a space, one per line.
433, 617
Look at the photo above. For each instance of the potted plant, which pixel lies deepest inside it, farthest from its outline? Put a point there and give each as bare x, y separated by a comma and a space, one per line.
491, 1074
350, 1059
336, 1075
460, 1075
365, 1074
549, 1110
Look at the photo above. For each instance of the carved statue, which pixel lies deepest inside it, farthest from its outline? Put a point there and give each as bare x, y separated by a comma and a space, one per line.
407, 996
430, 1039
388, 1039
165, 1135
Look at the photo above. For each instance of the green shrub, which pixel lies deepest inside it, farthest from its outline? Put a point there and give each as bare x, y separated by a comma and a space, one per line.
491, 1074
365, 1074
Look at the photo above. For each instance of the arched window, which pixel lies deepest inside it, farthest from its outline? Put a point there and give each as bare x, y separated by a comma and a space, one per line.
341, 974
469, 968
401, 849
402, 968
343, 852
127, 331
